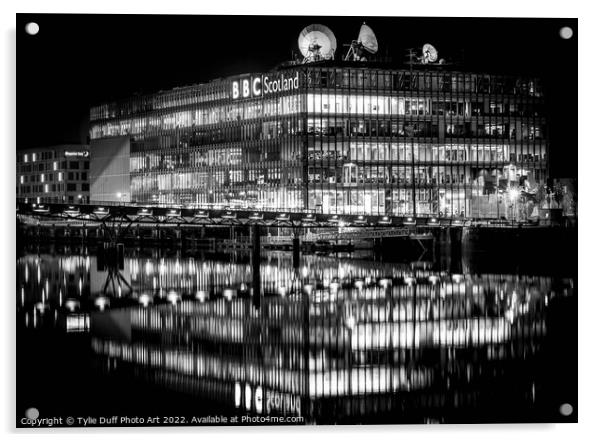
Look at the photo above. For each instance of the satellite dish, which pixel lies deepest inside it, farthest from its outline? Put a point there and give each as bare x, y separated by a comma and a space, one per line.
429, 53
317, 42
366, 42
367, 39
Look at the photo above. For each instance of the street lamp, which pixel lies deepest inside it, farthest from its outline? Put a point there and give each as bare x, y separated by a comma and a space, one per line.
513, 194
497, 200
120, 196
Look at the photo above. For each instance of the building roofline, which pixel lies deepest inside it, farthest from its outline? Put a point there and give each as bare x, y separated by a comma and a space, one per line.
53, 147
380, 64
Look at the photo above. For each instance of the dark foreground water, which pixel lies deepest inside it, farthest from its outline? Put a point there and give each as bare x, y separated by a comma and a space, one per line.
175, 339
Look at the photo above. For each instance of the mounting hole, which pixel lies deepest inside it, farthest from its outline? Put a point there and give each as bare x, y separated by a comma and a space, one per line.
566, 409
32, 413
566, 32
32, 28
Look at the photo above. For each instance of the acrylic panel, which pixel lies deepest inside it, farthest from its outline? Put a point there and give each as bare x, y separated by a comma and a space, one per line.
294, 220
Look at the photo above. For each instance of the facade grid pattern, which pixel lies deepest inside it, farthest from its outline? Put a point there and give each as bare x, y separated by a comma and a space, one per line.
339, 138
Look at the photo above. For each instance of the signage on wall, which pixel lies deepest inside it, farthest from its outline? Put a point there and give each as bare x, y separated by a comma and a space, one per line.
264, 85
77, 154
263, 400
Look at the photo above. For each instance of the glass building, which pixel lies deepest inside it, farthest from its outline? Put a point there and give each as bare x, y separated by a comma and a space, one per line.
334, 137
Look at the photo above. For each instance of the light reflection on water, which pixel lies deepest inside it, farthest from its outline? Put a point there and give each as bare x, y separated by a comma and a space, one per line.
336, 340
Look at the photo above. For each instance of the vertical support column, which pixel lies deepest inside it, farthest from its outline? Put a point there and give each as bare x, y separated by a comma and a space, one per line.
444, 248
456, 249
296, 248
255, 234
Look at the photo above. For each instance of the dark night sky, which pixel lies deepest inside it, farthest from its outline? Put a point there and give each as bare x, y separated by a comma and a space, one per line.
80, 60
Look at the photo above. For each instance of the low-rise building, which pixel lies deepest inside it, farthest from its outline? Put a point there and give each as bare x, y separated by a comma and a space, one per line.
56, 174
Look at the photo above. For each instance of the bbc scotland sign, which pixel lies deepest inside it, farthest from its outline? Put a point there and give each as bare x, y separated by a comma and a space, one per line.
265, 85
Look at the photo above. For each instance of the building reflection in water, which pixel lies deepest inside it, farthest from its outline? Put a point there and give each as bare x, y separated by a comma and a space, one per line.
337, 340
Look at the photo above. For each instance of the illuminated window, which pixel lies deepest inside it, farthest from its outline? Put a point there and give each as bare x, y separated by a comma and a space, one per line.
25, 158
45, 188
60, 176
22, 179
33, 157
42, 178
55, 165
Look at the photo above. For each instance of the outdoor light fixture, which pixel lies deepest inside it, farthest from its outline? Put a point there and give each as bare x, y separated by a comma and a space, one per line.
409, 221
434, 222
409, 280
41, 306
433, 279
72, 304
256, 216
350, 322
360, 220
385, 282
309, 218
201, 295
229, 294
72, 211
102, 302
173, 297
385, 220
283, 217
145, 300
144, 212
100, 211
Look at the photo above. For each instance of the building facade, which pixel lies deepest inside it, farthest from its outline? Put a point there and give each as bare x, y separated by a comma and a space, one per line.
335, 137
56, 174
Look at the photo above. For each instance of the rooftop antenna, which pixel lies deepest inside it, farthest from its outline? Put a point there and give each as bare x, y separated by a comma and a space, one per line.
317, 42
366, 43
412, 57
